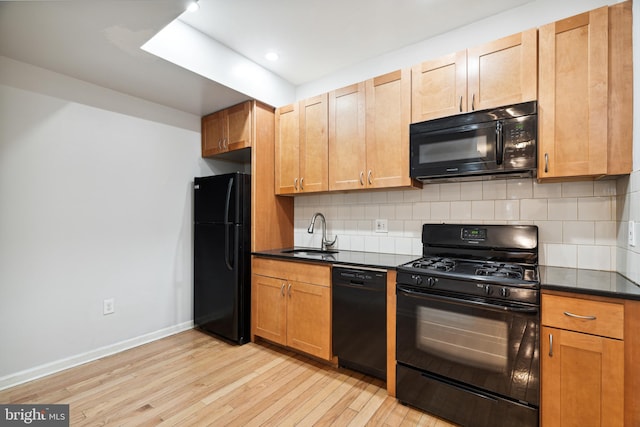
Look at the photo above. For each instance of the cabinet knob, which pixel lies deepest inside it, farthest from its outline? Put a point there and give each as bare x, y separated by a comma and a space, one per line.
295, 184
289, 290
460, 103
282, 290
361, 177
301, 183
473, 102
370, 177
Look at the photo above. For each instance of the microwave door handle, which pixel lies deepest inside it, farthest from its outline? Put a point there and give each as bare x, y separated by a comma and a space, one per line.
499, 143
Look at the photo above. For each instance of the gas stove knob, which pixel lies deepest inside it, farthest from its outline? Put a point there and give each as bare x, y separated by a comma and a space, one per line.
504, 292
418, 279
488, 289
431, 282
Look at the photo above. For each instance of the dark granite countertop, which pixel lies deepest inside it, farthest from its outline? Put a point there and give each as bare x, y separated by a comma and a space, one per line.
357, 258
593, 282
576, 280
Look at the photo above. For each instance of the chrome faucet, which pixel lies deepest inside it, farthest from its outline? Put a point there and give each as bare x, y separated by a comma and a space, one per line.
325, 242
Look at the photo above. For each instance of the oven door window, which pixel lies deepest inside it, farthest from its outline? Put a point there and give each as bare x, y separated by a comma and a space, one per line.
470, 340
468, 149
490, 348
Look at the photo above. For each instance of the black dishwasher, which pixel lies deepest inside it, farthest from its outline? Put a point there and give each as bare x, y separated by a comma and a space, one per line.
359, 329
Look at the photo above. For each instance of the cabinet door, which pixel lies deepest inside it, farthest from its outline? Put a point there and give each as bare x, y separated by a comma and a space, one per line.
270, 311
309, 319
582, 379
314, 144
388, 104
239, 125
287, 149
347, 154
439, 87
213, 133
572, 97
503, 72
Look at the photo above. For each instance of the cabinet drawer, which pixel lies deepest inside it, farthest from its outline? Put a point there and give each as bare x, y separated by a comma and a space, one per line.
598, 318
293, 271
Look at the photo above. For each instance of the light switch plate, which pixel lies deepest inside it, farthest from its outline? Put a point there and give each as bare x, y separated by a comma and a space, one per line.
632, 233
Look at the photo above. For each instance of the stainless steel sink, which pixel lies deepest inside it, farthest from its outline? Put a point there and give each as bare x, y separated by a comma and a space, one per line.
310, 251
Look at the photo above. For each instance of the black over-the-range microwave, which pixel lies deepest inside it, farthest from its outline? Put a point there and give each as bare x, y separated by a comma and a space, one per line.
494, 143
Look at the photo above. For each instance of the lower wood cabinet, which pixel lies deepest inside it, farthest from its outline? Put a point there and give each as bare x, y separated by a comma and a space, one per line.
291, 305
583, 355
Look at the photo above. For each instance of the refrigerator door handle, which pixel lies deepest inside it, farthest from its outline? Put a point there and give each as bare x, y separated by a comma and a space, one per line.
227, 244
228, 247
228, 201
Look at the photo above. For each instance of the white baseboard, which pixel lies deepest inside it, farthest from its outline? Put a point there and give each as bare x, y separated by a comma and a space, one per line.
69, 362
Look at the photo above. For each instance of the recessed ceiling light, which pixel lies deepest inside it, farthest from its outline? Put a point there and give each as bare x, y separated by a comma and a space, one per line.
272, 56
193, 6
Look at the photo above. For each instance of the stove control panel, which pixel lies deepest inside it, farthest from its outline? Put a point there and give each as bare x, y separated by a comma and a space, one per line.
528, 293
426, 281
474, 233
503, 291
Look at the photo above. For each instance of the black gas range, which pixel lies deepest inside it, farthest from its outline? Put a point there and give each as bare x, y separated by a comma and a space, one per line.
495, 261
468, 325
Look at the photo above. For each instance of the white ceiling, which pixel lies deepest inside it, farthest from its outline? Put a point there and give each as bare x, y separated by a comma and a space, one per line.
316, 38
99, 41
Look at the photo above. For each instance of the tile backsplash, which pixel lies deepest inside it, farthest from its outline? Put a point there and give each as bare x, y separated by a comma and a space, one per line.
578, 221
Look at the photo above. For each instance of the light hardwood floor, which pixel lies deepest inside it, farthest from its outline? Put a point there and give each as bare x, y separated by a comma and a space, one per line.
194, 379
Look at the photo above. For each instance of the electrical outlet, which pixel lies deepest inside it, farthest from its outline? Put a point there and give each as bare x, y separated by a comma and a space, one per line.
108, 306
632, 233
381, 226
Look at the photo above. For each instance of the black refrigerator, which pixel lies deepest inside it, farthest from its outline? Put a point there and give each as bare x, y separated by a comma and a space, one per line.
222, 261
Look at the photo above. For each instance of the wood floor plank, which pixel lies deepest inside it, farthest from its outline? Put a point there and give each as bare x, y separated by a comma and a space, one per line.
194, 379
370, 408
323, 407
335, 413
396, 415
298, 410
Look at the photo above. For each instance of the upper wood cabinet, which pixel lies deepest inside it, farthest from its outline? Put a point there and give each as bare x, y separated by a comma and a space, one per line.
369, 134
585, 104
314, 144
227, 130
347, 149
494, 74
388, 117
287, 149
439, 87
302, 146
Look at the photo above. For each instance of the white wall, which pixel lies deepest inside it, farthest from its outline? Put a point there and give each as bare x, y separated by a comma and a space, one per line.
95, 203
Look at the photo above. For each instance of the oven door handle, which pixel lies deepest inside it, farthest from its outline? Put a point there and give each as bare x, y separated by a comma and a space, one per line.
487, 305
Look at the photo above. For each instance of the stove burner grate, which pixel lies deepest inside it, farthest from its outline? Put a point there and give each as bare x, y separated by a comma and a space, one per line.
435, 263
500, 270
